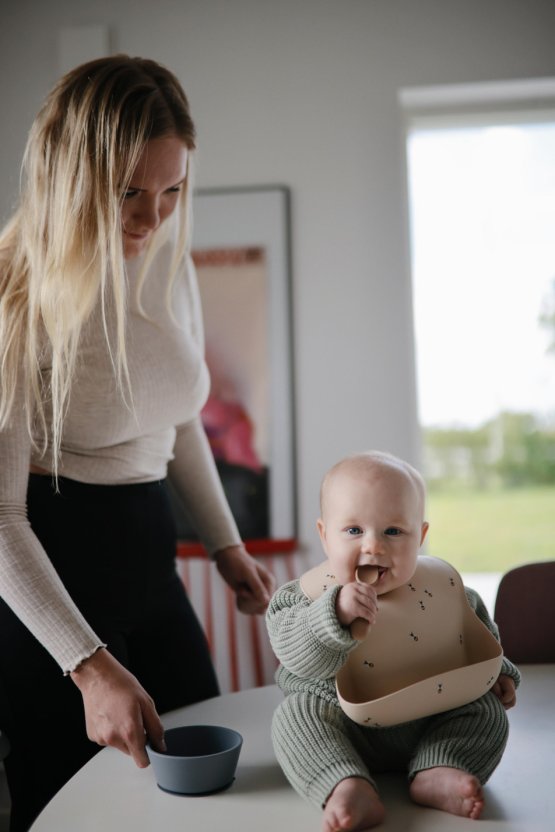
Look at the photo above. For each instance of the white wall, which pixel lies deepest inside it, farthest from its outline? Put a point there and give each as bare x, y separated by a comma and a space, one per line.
304, 93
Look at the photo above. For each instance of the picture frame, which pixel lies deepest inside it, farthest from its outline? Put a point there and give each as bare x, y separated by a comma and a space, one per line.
241, 251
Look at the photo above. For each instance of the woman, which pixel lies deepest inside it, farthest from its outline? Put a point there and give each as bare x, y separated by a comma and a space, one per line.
102, 379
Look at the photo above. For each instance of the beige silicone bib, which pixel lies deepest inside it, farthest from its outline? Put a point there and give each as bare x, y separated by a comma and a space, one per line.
428, 651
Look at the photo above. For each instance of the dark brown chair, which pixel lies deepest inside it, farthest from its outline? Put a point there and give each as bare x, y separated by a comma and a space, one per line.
525, 613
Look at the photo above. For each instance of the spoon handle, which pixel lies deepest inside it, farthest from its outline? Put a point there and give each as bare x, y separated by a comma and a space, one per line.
363, 575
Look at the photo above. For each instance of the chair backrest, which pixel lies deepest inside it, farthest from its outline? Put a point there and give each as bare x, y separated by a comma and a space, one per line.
525, 613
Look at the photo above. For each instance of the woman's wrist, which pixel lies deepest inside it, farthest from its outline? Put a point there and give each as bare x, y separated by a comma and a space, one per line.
91, 665
229, 551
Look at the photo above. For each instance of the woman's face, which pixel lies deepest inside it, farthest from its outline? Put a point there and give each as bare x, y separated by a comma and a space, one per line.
153, 192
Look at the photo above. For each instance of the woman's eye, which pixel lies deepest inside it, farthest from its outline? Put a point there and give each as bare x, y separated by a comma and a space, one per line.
174, 190
354, 530
130, 194
392, 531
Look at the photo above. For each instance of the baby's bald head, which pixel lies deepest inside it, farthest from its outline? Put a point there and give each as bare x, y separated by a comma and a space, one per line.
375, 465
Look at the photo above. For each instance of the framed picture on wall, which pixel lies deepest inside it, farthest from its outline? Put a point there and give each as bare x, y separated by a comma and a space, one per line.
241, 253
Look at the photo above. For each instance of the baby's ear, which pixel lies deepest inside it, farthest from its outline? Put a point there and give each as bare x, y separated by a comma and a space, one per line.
321, 530
425, 527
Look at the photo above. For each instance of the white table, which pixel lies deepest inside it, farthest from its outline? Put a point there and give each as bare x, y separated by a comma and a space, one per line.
111, 794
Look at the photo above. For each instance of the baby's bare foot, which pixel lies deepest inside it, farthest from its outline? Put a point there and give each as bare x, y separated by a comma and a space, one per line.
450, 789
353, 806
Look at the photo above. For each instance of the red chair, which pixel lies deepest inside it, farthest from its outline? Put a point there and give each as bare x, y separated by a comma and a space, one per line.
240, 647
525, 613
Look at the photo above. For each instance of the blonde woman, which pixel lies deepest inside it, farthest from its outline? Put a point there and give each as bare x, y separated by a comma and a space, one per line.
102, 379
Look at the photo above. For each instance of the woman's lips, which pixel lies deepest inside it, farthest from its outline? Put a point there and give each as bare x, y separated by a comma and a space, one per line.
135, 236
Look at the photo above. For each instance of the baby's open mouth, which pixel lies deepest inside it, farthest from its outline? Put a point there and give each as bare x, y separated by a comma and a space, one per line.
370, 573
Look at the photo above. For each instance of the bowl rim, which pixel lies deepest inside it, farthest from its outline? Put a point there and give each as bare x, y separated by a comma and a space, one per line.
237, 743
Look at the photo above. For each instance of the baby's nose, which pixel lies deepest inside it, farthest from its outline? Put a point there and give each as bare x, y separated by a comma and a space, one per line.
371, 544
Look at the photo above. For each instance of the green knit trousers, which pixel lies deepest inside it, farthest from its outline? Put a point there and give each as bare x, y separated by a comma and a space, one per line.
317, 745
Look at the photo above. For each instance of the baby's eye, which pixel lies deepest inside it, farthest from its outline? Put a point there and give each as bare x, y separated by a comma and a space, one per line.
354, 530
392, 531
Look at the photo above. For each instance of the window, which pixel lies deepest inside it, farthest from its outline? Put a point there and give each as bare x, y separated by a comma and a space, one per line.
482, 209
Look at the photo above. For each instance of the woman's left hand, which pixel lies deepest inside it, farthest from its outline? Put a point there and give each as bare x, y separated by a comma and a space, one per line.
252, 583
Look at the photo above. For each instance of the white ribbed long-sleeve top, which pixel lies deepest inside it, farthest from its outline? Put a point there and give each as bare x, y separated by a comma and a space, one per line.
107, 441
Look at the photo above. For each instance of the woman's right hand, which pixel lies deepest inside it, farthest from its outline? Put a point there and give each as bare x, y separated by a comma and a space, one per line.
118, 710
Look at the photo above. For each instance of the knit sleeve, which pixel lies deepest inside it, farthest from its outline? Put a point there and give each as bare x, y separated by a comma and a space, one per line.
475, 601
29, 583
305, 635
192, 471
194, 475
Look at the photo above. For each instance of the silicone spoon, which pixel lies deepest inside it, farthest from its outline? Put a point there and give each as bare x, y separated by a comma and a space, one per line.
364, 575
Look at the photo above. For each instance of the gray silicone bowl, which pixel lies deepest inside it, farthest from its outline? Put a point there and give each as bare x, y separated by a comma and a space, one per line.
200, 759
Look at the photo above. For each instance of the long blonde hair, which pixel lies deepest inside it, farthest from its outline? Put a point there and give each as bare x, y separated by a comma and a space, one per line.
62, 251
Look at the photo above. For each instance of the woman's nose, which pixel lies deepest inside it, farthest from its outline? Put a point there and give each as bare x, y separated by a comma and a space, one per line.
147, 216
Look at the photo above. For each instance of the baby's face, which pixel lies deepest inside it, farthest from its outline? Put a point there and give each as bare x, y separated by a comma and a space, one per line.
372, 517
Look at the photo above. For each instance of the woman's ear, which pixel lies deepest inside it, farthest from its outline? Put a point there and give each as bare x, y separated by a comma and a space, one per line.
425, 527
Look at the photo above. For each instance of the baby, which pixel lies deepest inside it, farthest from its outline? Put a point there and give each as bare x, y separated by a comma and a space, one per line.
372, 514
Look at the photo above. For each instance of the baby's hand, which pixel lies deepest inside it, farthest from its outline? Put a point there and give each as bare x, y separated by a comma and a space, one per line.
356, 601
505, 691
